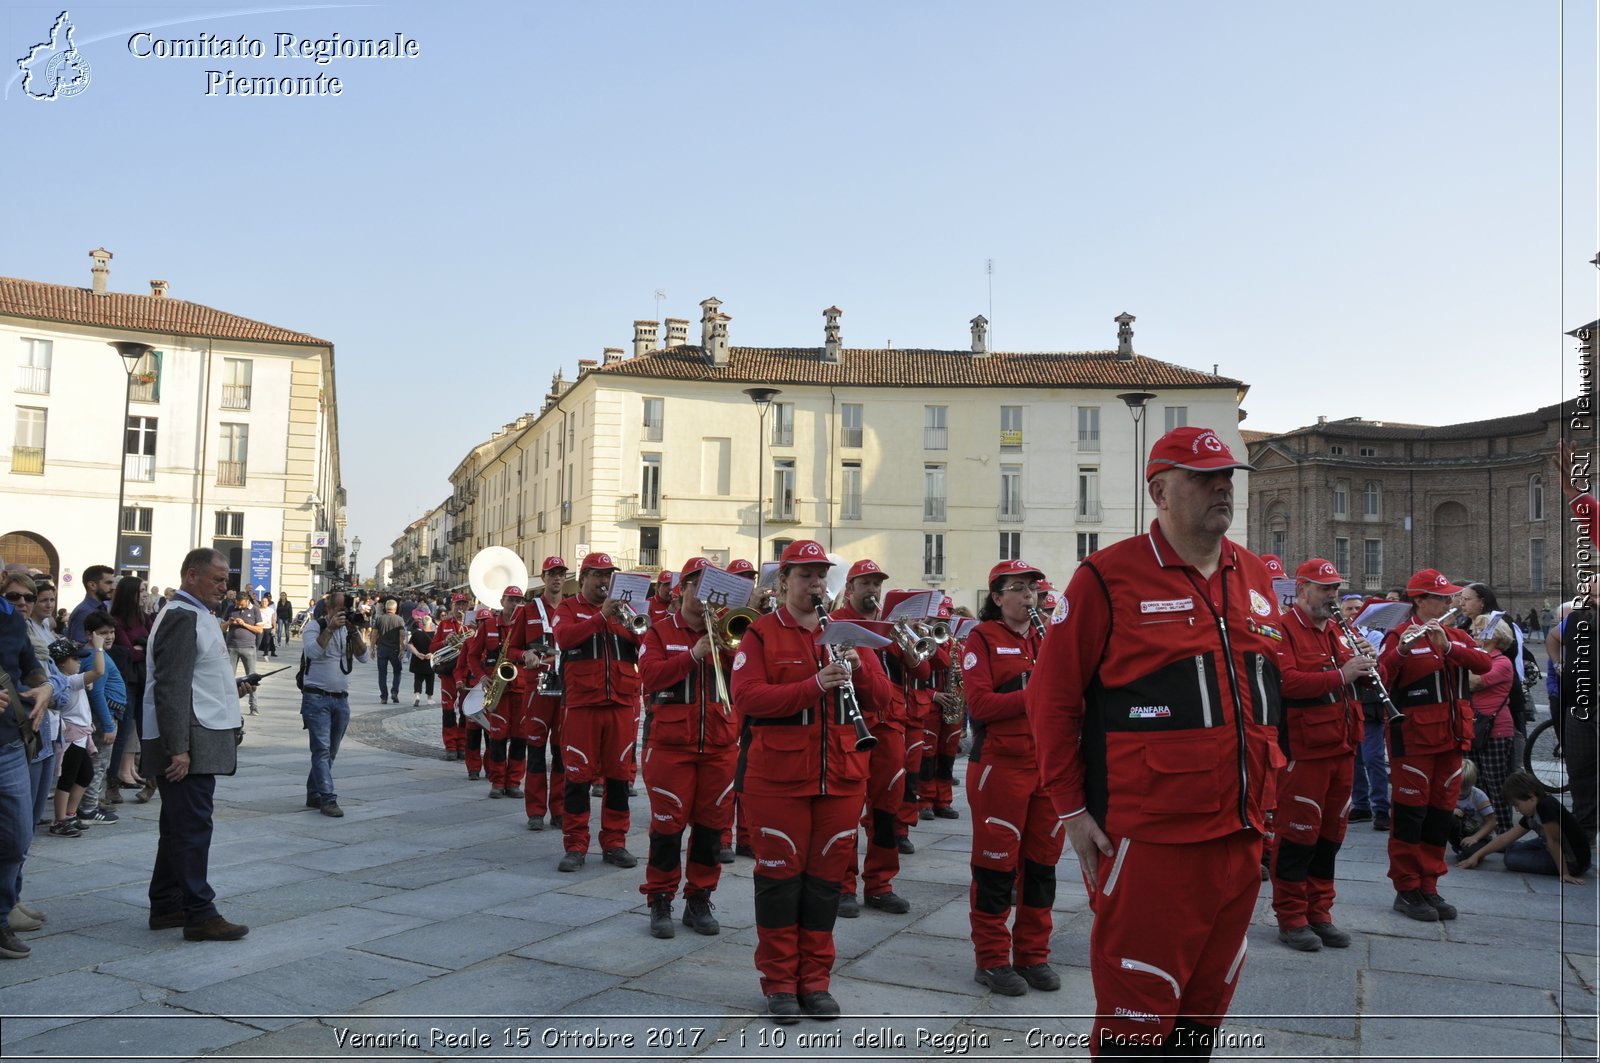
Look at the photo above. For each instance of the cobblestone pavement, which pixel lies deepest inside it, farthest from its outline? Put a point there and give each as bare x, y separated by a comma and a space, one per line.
429, 921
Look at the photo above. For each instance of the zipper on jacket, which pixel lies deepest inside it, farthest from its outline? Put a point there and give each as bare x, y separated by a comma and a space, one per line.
701, 682
1238, 711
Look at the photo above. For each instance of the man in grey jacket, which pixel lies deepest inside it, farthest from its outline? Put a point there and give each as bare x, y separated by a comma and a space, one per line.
189, 723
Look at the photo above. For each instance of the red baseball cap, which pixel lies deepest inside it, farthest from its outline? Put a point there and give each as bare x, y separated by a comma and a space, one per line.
693, 565
944, 608
459, 597
804, 552
552, 563
665, 576
1013, 568
1275, 564
1197, 449
1318, 571
512, 591
866, 567
1430, 581
483, 614
598, 562
741, 567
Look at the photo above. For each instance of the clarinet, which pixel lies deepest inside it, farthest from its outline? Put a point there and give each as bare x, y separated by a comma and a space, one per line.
1373, 681
1037, 620
848, 701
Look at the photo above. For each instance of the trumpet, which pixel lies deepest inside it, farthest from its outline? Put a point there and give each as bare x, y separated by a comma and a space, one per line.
1372, 682
914, 646
937, 630
848, 701
633, 620
495, 684
1421, 629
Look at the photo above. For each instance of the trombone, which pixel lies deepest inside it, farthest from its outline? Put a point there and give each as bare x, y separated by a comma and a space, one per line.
726, 628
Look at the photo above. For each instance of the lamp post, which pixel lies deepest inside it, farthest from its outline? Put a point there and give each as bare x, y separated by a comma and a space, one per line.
131, 354
762, 397
1136, 401
355, 552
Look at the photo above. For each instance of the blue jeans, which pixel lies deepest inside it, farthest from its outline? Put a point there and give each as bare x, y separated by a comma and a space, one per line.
178, 882
1370, 788
283, 630
1529, 855
16, 823
43, 775
386, 662
325, 720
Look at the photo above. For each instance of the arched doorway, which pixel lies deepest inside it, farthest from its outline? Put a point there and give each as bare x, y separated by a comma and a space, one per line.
31, 549
1452, 539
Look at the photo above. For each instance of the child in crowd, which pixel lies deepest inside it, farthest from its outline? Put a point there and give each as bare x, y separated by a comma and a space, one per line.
1475, 820
77, 724
1556, 846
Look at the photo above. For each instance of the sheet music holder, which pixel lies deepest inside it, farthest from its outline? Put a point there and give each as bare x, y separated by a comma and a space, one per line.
1384, 616
962, 626
916, 605
722, 589
845, 633
1283, 587
769, 576
630, 587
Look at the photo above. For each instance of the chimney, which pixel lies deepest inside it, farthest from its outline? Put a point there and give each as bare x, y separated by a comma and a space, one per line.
1125, 322
980, 334
644, 337
677, 332
708, 320
1322, 418
719, 340
613, 355
158, 289
830, 334
586, 364
100, 270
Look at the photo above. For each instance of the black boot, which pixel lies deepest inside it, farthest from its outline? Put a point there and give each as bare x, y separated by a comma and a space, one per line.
697, 914
661, 915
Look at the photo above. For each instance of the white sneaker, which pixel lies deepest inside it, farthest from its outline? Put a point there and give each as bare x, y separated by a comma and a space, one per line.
415, 702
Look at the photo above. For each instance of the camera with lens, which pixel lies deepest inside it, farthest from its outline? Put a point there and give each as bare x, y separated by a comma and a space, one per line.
355, 618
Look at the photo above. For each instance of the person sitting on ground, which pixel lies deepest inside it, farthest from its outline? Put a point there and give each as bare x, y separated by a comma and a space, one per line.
1474, 822
1557, 845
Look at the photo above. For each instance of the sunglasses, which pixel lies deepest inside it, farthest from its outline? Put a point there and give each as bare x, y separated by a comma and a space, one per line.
20, 596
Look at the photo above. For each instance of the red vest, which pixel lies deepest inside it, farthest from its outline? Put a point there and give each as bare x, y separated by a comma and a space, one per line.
1320, 717
686, 710
1431, 689
995, 669
598, 659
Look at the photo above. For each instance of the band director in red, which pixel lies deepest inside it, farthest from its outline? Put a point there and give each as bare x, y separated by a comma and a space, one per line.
1016, 832
803, 781
453, 628
1320, 732
689, 758
1155, 710
1425, 666
530, 643
600, 672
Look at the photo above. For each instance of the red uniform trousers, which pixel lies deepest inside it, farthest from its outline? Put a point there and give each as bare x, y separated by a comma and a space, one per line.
919, 705
1425, 787
803, 845
937, 786
1313, 812
451, 727
540, 729
1149, 971
1016, 842
886, 773
507, 752
687, 789
597, 744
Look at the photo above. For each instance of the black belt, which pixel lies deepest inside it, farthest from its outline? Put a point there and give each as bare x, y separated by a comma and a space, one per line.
325, 693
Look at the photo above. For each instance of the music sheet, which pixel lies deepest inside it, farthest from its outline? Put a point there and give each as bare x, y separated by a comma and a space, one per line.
1384, 616
631, 587
723, 590
844, 633
917, 605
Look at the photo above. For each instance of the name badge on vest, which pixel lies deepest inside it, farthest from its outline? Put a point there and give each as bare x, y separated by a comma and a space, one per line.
1017, 650
1168, 605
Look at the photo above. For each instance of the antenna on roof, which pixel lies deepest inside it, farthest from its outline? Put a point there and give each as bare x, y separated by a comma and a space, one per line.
988, 267
661, 293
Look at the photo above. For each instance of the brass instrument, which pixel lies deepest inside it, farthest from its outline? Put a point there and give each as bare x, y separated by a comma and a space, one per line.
1372, 682
445, 656
848, 701
955, 686
727, 628
937, 630
914, 646
495, 684
634, 621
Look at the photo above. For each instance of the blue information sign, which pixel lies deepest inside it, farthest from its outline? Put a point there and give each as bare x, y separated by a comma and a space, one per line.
261, 566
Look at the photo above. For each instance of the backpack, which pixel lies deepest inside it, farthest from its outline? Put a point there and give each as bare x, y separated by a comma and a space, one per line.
300, 674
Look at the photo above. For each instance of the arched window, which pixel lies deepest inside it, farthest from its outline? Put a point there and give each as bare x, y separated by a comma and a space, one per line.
1371, 500
1536, 497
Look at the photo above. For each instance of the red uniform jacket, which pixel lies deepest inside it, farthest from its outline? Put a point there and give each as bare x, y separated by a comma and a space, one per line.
800, 742
1431, 689
995, 669
481, 653
1321, 717
599, 660
892, 659
659, 609
687, 711
448, 628
1155, 702
526, 629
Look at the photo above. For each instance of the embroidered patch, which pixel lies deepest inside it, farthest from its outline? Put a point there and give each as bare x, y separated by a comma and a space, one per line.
738, 661
969, 662
1060, 613
1149, 712
1167, 605
1258, 604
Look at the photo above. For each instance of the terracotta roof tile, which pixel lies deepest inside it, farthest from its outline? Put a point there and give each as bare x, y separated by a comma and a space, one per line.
136, 313
1532, 422
915, 367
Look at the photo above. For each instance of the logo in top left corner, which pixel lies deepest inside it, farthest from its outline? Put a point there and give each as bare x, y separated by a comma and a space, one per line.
55, 69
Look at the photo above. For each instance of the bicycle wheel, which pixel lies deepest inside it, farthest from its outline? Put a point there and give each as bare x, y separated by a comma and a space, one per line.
1544, 758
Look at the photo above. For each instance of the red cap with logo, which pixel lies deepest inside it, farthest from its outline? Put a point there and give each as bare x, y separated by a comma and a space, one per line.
866, 567
1274, 564
513, 591
421, 614
1197, 449
693, 565
741, 567
665, 576
553, 563
1430, 581
1013, 568
944, 608
1320, 571
459, 597
598, 562
483, 614
804, 552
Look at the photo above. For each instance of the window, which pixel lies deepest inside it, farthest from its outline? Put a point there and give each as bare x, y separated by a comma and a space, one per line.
1088, 494
1088, 543
33, 366
650, 546
783, 424
1536, 564
235, 447
778, 547
650, 486
1367, 452
654, 412
138, 520
1011, 426
1175, 416
933, 556
1088, 428
850, 424
1010, 546
1371, 500
236, 373
27, 446
850, 491
933, 496
935, 434
1336, 450
229, 541
1536, 499
716, 457
230, 525
139, 449
1280, 541
1372, 561
1010, 493
783, 489
1341, 554
1341, 499
146, 383
134, 545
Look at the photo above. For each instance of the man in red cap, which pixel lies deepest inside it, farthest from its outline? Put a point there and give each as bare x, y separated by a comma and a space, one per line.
1425, 666
690, 756
600, 673
452, 627
661, 600
1320, 732
531, 644
1158, 743
506, 753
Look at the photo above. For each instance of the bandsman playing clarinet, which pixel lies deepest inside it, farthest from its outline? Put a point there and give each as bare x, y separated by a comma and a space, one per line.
452, 728
689, 759
530, 643
803, 781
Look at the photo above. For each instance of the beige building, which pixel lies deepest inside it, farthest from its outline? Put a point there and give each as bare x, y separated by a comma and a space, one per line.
936, 463
231, 438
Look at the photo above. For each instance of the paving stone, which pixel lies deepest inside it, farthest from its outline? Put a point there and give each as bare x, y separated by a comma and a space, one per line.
1438, 996
461, 942
56, 997
1523, 967
620, 945
61, 953
1457, 1039
505, 987
133, 1032
912, 959
327, 984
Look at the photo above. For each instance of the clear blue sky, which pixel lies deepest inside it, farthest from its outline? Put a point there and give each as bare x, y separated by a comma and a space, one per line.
1357, 208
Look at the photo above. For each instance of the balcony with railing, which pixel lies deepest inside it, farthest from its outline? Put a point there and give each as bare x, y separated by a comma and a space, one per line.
566, 513
144, 387
33, 379
933, 508
236, 396
649, 556
230, 473
850, 437
538, 522
1009, 513
138, 467
782, 511
933, 568
1089, 441
1088, 510
632, 507
652, 431
28, 460
936, 439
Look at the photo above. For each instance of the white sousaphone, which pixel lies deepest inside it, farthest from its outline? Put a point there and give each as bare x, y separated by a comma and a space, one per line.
493, 569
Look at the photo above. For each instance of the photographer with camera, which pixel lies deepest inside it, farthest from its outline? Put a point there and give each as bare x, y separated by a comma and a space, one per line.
333, 644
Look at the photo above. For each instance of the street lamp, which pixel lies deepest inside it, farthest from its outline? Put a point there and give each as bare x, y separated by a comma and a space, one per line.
1136, 401
762, 397
131, 354
355, 550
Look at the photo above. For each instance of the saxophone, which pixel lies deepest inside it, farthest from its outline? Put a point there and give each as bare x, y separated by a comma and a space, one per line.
955, 686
